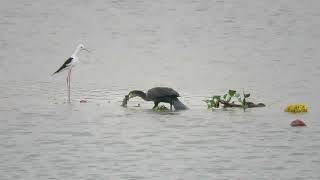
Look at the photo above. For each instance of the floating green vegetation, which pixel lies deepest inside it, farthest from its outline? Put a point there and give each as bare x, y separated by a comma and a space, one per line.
161, 108
227, 100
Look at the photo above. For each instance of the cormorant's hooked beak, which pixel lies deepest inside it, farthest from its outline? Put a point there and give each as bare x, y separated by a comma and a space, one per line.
125, 101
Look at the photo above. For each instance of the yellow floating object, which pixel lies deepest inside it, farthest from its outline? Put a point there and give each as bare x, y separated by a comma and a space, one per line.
296, 108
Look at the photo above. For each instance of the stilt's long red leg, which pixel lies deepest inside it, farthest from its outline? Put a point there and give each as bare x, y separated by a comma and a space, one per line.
70, 84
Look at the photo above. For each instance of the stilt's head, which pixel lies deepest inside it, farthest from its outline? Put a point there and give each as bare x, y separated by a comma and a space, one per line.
81, 47
78, 49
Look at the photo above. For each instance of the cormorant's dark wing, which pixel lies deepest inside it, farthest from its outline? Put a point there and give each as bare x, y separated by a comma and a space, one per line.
64, 65
158, 92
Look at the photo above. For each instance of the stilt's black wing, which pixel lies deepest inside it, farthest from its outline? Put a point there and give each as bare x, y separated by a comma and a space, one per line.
64, 65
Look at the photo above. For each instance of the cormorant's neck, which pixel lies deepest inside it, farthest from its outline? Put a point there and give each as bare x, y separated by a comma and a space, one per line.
142, 95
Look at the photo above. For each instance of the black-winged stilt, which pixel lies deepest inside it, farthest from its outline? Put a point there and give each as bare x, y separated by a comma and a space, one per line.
69, 64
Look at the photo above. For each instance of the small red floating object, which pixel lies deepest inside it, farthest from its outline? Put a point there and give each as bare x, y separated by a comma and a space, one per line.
297, 123
83, 101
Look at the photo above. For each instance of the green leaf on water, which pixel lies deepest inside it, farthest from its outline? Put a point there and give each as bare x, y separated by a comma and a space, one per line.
210, 104
161, 108
217, 104
225, 96
239, 99
216, 97
232, 93
214, 102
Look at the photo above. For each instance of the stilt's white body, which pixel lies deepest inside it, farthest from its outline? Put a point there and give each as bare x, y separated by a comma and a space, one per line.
69, 64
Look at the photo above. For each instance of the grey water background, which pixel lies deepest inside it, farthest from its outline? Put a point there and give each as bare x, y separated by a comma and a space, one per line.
200, 48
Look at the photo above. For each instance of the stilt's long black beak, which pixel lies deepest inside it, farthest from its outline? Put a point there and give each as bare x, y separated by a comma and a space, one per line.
86, 49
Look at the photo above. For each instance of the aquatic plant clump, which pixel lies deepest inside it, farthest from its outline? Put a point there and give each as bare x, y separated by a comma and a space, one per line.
227, 101
161, 108
296, 108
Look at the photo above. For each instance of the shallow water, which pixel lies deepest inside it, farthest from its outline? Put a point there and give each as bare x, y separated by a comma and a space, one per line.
199, 48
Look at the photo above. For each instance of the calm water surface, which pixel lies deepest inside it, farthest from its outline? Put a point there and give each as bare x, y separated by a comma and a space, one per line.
199, 48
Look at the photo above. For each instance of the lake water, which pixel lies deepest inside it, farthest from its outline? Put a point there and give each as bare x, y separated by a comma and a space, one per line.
198, 47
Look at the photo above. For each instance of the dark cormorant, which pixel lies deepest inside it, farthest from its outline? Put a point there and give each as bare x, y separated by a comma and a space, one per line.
157, 95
